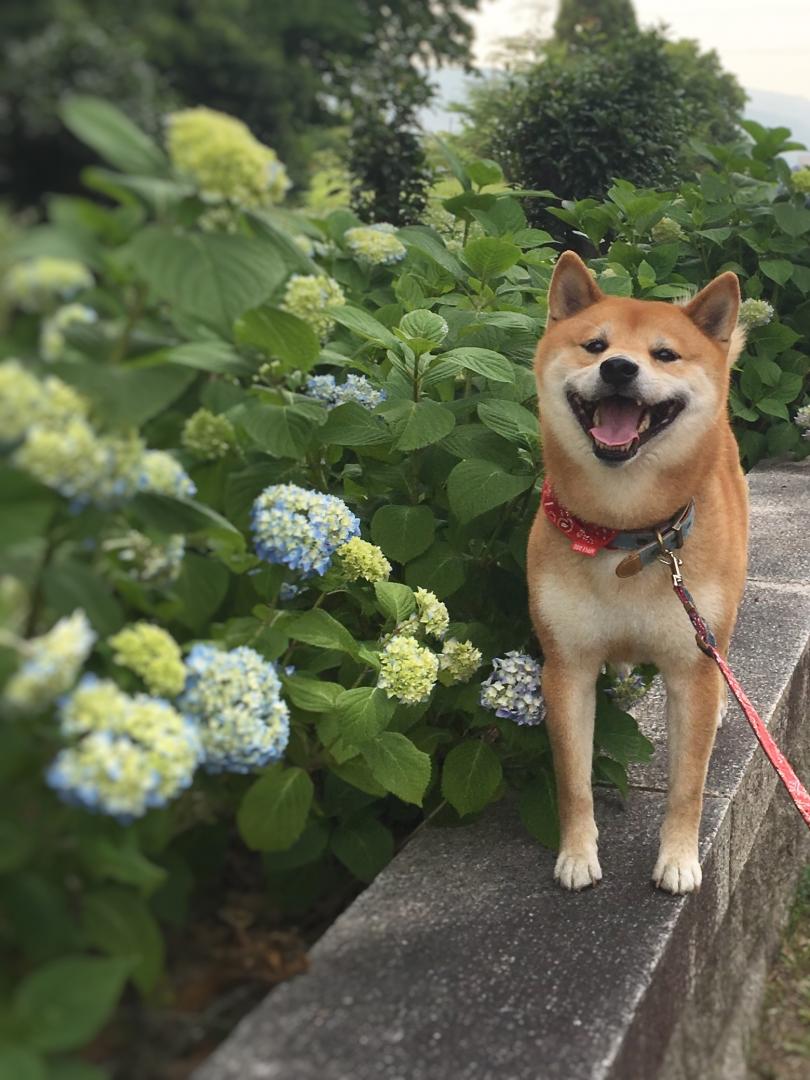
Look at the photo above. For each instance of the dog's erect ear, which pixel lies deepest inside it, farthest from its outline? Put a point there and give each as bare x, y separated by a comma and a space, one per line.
714, 310
572, 288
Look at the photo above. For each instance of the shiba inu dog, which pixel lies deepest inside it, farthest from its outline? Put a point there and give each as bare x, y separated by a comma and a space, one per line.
637, 443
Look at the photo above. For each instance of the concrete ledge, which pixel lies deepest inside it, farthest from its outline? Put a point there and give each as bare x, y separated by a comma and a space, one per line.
462, 961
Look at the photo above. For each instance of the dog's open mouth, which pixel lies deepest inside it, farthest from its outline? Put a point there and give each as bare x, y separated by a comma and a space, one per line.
619, 425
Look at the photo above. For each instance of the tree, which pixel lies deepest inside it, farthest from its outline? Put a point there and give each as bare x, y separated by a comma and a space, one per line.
609, 18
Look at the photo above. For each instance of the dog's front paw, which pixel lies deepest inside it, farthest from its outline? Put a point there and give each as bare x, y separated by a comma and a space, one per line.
577, 869
677, 873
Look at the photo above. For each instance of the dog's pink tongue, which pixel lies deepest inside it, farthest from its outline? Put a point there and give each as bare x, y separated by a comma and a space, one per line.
619, 419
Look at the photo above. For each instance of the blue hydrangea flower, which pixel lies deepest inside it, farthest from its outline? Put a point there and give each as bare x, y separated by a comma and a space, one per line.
356, 388
627, 688
51, 663
512, 691
235, 698
299, 528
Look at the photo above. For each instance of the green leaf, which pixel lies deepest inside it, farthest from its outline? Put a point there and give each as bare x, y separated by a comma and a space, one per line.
311, 695
488, 256
403, 532
646, 275
121, 860
364, 847
317, 627
119, 923
396, 763
362, 713
127, 397
771, 407
63, 1004
352, 425
608, 769
395, 601
427, 243
274, 809
285, 431
510, 420
440, 569
484, 362
538, 811
471, 775
794, 220
19, 1063
416, 424
280, 335
214, 277
112, 135
364, 325
424, 324
778, 270
215, 356
618, 736
75, 1070
70, 584
170, 515
201, 587
484, 171
309, 847
474, 487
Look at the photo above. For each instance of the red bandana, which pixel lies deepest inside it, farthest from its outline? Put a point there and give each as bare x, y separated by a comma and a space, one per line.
585, 538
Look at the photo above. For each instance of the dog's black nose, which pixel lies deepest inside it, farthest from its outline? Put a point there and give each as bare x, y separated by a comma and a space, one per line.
618, 370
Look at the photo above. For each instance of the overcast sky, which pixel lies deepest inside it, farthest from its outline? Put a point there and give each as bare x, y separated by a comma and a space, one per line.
766, 45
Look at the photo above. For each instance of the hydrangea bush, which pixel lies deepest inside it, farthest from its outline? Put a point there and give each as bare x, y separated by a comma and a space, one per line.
264, 528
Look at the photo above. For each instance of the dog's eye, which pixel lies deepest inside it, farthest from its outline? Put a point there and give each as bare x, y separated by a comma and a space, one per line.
595, 345
666, 356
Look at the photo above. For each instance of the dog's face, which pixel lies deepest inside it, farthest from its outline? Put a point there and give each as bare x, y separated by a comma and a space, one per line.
622, 380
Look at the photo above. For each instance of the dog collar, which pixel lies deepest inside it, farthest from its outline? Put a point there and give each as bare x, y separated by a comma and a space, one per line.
644, 545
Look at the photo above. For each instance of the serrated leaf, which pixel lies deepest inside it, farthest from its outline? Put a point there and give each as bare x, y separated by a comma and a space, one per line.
618, 735
426, 242
395, 601
612, 771
279, 335
274, 810
488, 256
284, 431
424, 324
352, 425
364, 847
317, 627
475, 487
471, 774
794, 220
403, 532
416, 424
127, 397
118, 922
440, 569
214, 356
311, 695
113, 136
484, 362
778, 270
361, 714
538, 811
181, 516
398, 766
484, 171
364, 325
510, 420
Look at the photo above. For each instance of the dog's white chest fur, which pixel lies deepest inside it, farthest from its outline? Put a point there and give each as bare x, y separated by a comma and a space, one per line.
591, 610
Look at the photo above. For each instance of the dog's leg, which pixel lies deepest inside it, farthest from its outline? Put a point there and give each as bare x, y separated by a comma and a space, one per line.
694, 699
570, 694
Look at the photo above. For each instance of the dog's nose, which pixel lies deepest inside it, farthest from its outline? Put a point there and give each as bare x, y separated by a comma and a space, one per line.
618, 370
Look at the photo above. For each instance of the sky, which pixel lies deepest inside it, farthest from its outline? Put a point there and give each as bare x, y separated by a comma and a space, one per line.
766, 45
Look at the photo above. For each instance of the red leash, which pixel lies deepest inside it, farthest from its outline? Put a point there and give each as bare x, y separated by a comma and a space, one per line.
707, 643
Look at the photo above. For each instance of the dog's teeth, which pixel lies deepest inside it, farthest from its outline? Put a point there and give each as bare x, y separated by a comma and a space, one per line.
645, 423
597, 416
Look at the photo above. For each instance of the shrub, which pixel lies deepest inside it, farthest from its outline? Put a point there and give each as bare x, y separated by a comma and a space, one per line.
306, 480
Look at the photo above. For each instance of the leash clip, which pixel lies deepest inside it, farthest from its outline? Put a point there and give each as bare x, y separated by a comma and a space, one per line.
670, 559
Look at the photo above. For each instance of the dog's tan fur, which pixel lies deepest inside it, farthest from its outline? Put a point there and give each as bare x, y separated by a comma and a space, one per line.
583, 613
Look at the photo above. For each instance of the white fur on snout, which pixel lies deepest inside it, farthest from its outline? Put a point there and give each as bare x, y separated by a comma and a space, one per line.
678, 872
577, 870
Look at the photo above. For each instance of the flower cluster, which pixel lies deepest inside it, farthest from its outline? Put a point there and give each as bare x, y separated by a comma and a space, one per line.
800, 180
38, 284
235, 697
802, 420
666, 231
52, 332
161, 474
432, 614
225, 161
460, 659
148, 561
310, 296
512, 691
359, 560
375, 244
300, 529
153, 654
207, 435
627, 687
134, 753
356, 388
50, 664
408, 670
26, 400
755, 313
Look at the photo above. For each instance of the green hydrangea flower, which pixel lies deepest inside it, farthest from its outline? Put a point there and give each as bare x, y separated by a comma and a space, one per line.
359, 560
432, 613
666, 231
800, 180
50, 664
377, 245
408, 670
52, 339
460, 659
153, 654
208, 436
755, 313
26, 400
310, 296
39, 284
224, 160
151, 562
